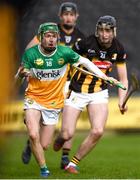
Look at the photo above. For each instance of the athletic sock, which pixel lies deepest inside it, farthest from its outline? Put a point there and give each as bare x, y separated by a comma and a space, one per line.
75, 161
43, 166
28, 142
65, 153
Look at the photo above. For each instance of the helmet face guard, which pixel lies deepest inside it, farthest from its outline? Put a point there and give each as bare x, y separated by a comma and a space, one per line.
47, 27
68, 7
106, 22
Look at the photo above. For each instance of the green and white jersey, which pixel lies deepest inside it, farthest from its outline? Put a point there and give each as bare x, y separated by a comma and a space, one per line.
50, 74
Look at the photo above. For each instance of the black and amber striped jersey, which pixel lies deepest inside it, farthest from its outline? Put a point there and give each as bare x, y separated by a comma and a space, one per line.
103, 58
70, 39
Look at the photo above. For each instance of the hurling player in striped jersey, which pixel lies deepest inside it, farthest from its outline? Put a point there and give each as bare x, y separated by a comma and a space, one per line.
104, 50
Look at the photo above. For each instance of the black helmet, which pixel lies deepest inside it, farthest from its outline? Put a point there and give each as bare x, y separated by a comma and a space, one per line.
68, 6
106, 21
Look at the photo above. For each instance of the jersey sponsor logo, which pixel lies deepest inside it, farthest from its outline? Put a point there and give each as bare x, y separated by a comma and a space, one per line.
61, 61
67, 39
103, 64
39, 62
50, 74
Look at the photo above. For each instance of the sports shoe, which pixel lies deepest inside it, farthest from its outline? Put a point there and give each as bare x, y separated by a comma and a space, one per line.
58, 143
72, 169
64, 162
44, 172
26, 154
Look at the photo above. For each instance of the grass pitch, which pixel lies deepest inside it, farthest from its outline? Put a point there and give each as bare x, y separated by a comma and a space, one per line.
115, 157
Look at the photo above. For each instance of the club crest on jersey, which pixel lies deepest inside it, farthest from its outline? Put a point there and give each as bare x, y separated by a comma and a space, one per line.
91, 51
67, 39
39, 62
61, 61
114, 56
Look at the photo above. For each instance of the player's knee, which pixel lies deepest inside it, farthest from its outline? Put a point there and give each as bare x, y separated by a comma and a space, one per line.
34, 136
70, 134
97, 133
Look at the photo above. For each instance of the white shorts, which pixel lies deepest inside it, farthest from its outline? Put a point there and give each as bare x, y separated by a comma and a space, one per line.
80, 100
49, 116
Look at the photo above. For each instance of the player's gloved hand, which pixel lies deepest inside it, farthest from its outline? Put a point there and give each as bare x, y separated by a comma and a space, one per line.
123, 109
